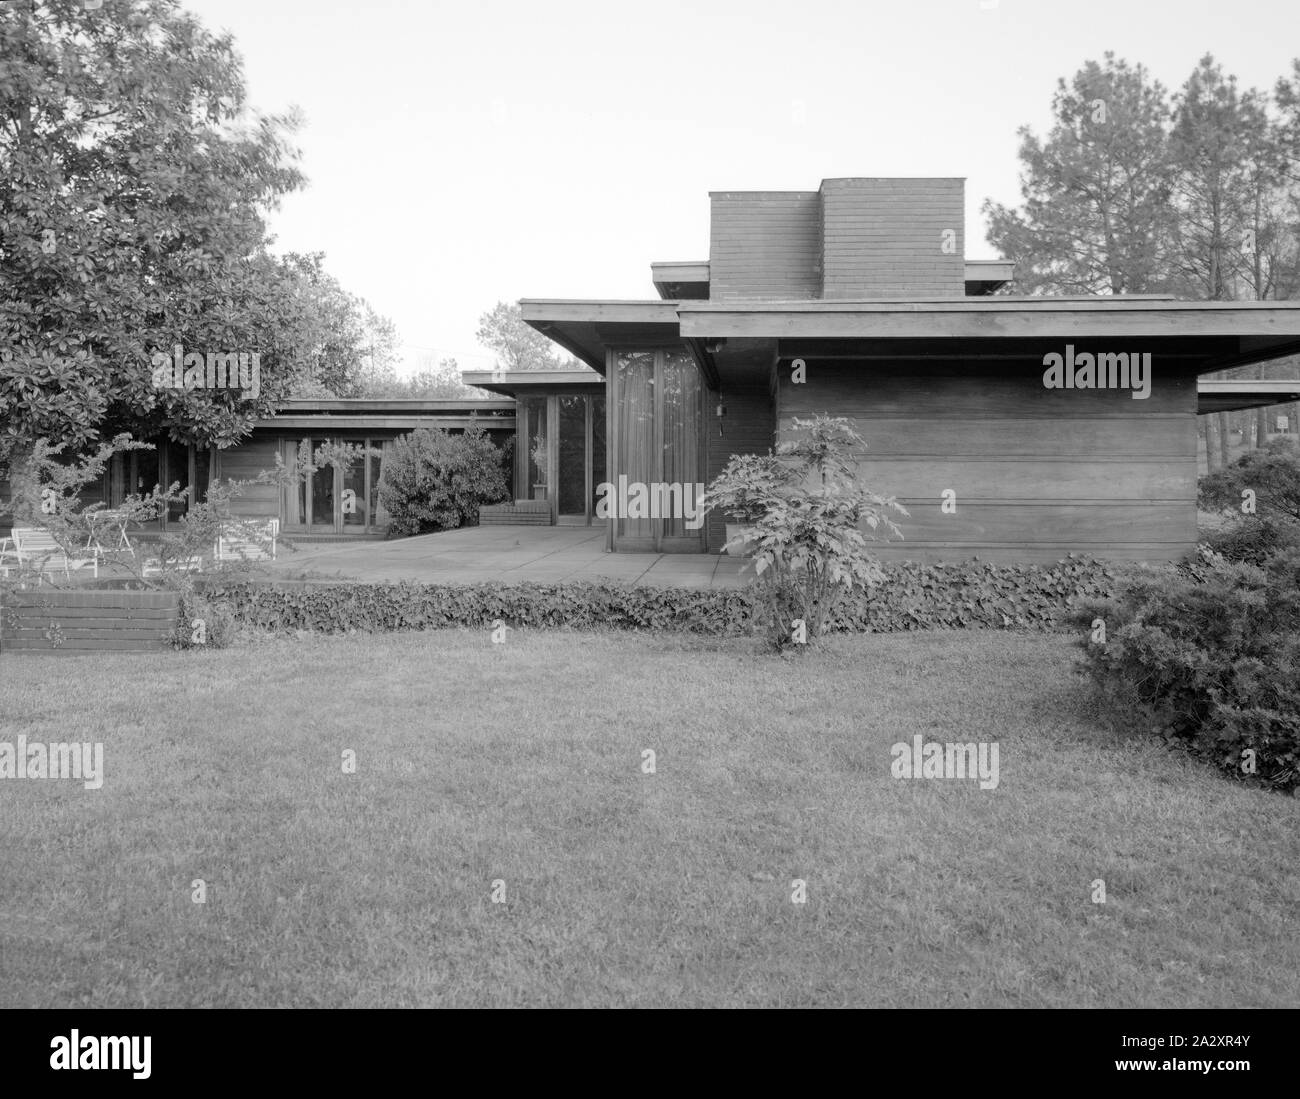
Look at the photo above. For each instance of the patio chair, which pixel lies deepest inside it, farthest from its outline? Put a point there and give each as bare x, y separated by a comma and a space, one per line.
108, 532
35, 547
237, 545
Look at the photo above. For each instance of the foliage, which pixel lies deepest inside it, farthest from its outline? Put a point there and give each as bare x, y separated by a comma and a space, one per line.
517, 345
975, 595
1133, 190
803, 509
133, 183
48, 488
1271, 472
440, 383
433, 480
347, 348
1210, 656
1095, 190
1271, 477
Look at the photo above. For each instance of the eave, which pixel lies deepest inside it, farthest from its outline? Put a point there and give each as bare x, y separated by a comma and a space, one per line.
514, 383
586, 328
1236, 394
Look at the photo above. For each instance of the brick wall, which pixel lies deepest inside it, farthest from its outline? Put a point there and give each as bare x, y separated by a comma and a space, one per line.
764, 244
748, 428
885, 238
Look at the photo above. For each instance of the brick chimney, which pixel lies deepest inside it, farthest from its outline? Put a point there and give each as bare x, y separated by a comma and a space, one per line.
852, 239
893, 238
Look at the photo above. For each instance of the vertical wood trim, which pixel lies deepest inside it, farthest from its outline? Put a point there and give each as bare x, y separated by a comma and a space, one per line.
657, 469
337, 517
521, 452
586, 458
611, 445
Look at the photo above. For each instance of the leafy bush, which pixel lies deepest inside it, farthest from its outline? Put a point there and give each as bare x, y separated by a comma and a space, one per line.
803, 509
1272, 473
203, 624
1254, 539
436, 481
1211, 656
911, 597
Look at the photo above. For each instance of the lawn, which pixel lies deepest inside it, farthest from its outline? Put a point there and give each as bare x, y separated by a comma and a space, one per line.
522, 762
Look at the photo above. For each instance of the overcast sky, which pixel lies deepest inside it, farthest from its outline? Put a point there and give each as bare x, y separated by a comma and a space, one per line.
461, 154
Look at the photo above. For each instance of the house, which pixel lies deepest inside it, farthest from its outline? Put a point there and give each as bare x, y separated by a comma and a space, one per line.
330, 503
1012, 428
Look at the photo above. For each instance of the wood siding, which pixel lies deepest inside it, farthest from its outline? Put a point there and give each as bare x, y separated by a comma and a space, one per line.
1037, 473
243, 463
765, 244
50, 621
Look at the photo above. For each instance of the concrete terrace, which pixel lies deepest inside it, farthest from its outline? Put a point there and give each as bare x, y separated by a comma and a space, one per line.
544, 555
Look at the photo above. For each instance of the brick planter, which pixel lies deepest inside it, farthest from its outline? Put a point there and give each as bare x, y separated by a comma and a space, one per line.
533, 513
50, 620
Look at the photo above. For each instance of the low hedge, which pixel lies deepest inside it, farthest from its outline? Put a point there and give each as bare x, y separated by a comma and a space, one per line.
915, 597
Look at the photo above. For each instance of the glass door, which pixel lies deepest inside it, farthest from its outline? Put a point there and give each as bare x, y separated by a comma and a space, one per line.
658, 460
334, 501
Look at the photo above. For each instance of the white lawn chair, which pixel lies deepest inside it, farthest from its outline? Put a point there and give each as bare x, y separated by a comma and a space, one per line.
36, 548
107, 532
236, 545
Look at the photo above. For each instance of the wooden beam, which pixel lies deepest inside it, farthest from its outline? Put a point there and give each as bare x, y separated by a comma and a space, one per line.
369, 423
1246, 357
704, 361
988, 321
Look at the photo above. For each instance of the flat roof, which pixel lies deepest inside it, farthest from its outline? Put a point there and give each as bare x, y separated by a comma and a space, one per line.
1235, 394
511, 382
981, 318
360, 405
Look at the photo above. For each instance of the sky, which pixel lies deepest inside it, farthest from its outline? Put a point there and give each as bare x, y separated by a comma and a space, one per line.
464, 154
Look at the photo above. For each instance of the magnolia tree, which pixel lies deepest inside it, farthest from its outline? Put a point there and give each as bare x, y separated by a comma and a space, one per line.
135, 183
803, 512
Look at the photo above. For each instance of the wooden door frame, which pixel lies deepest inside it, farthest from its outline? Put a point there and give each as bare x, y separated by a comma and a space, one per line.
659, 542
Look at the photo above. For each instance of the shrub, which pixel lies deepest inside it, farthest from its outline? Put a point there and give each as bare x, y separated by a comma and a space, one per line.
803, 509
1254, 539
203, 624
911, 597
1211, 656
1256, 502
436, 481
1272, 473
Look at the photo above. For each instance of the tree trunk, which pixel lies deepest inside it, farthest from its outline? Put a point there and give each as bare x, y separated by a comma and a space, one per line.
1213, 462
1262, 413
1225, 426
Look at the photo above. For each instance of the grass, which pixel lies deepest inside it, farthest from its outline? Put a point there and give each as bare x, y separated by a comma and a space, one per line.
523, 762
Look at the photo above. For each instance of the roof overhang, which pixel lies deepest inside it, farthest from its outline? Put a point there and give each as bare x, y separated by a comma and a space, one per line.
363, 406
984, 276
681, 281
1226, 334
586, 328
515, 383
364, 414
1235, 394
